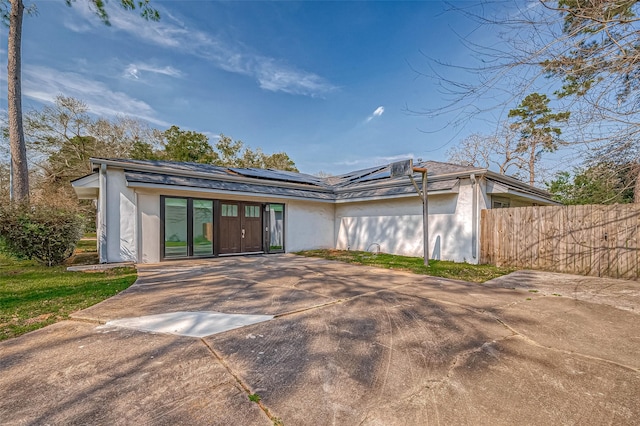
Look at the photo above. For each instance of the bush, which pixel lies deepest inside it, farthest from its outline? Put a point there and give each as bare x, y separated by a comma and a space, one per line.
44, 233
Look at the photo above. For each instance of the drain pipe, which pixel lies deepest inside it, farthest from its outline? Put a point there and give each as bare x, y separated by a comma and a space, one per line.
474, 216
102, 214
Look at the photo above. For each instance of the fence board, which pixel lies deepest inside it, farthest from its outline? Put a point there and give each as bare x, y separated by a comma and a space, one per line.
590, 240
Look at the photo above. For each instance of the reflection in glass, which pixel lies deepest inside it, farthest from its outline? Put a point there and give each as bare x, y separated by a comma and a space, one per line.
276, 227
175, 227
202, 227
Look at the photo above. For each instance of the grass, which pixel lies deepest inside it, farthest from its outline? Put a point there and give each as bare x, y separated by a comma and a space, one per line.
436, 268
34, 296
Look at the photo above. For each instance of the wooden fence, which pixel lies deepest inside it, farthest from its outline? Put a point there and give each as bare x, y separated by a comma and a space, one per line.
588, 240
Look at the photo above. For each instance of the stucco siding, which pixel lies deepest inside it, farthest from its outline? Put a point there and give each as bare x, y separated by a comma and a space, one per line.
120, 219
149, 207
308, 225
396, 226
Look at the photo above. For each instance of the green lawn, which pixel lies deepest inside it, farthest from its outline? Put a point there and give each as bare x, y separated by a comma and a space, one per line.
33, 296
436, 268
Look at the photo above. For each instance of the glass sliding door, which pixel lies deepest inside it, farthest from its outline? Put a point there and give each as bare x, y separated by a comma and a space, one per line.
175, 227
187, 227
276, 227
202, 227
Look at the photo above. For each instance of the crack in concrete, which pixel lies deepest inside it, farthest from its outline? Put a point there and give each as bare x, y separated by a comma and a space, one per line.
532, 342
243, 386
87, 320
336, 301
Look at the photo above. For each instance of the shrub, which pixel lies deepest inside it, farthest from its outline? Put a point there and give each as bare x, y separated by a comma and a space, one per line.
47, 234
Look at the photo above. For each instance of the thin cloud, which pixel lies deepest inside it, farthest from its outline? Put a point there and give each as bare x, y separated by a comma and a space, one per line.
44, 84
133, 71
269, 73
77, 27
377, 113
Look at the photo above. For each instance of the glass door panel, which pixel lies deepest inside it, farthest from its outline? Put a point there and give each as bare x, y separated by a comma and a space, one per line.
175, 227
202, 227
276, 227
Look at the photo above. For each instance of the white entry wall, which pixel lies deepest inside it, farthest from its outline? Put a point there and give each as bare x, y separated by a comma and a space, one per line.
308, 225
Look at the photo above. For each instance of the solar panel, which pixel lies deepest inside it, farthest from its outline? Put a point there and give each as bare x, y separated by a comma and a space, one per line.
278, 175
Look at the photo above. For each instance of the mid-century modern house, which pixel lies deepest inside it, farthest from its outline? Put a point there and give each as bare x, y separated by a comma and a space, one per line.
152, 211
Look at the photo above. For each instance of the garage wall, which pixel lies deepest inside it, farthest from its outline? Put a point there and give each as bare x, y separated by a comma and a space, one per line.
396, 225
308, 225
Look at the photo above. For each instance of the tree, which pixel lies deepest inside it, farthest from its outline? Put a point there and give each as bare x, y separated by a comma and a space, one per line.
605, 183
584, 51
61, 139
19, 167
496, 151
13, 15
66, 127
187, 145
535, 124
234, 154
279, 161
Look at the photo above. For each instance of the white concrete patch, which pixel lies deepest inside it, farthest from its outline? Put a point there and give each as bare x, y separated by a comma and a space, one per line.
192, 324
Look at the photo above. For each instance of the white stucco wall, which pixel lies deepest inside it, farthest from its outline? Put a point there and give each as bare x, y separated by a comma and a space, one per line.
396, 225
120, 219
149, 219
308, 225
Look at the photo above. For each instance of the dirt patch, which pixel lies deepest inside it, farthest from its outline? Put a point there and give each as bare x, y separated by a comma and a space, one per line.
39, 318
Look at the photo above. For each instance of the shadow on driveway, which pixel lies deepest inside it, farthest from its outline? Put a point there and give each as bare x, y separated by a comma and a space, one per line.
348, 345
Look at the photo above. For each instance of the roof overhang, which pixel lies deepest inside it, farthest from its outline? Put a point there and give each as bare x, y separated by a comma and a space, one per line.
505, 190
87, 187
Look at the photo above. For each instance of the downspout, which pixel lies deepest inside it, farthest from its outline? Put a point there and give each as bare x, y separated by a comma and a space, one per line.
474, 216
137, 231
102, 215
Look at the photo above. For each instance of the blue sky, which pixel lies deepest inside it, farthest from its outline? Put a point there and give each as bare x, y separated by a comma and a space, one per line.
330, 83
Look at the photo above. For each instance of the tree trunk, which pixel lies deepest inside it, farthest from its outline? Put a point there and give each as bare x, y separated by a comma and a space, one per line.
19, 167
636, 189
532, 165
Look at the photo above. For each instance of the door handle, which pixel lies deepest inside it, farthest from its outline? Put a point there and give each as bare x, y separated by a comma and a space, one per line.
243, 233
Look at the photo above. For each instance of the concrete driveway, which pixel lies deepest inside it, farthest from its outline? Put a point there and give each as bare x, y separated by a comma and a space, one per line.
348, 345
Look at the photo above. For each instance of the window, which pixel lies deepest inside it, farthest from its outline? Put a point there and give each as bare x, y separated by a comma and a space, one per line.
276, 227
202, 229
187, 227
251, 211
500, 203
175, 227
230, 210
